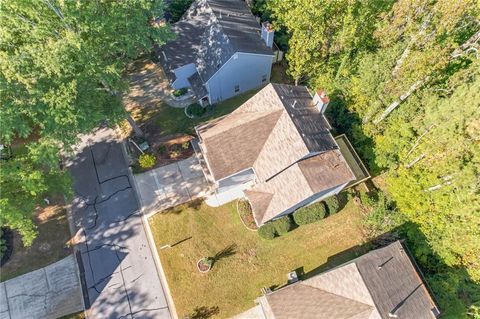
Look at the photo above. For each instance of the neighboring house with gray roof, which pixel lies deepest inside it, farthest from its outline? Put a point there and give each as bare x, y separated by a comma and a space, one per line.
220, 51
381, 284
277, 150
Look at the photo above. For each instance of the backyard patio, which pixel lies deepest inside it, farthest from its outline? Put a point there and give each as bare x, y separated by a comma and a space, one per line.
243, 262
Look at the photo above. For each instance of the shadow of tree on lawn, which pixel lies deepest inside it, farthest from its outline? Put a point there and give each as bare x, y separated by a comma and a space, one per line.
203, 312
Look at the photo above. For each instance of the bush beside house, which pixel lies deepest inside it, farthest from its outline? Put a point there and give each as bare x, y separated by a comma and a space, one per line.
333, 204
283, 225
267, 231
310, 214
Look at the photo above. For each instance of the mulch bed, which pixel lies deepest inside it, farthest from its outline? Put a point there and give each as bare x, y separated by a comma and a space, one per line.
202, 266
174, 149
246, 214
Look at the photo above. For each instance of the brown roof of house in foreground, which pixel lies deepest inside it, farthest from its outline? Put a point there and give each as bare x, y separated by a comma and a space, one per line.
285, 139
300, 181
378, 285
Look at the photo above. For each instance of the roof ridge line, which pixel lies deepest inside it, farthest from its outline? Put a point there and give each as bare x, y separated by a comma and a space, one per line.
328, 292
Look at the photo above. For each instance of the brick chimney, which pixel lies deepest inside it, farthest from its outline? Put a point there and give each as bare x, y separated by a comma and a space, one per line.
267, 33
320, 100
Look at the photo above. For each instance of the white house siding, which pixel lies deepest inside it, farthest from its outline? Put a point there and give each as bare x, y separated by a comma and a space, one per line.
243, 69
313, 199
182, 74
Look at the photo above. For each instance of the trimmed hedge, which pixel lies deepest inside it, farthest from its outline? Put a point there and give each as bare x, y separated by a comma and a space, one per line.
267, 231
332, 204
283, 225
310, 214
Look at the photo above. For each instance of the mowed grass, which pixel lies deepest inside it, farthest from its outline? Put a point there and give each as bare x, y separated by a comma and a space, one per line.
173, 120
235, 281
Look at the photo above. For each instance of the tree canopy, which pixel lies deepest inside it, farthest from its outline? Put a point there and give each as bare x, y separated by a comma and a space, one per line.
403, 79
61, 73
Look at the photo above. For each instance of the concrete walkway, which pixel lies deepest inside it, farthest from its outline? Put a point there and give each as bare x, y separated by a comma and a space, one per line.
171, 185
50, 292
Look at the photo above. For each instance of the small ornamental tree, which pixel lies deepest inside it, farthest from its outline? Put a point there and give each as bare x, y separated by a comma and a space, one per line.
332, 204
309, 214
267, 231
283, 225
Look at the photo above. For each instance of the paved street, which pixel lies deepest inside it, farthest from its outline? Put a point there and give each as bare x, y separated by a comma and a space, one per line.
119, 269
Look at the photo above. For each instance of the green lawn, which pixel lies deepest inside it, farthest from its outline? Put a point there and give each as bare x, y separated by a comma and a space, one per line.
173, 120
235, 281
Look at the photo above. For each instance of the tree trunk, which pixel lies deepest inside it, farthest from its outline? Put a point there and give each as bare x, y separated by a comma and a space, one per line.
419, 139
415, 161
402, 98
138, 131
461, 50
469, 44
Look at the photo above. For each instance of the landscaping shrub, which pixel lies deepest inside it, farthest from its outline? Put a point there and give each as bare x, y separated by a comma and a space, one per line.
186, 145
309, 214
267, 231
146, 160
178, 93
196, 110
283, 225
332, 204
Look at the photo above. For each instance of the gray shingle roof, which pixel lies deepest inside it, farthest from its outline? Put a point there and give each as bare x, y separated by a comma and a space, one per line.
209, 33
310, 122
197, 85
395, 284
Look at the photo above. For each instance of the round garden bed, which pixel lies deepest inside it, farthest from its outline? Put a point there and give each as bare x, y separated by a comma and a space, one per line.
245, 212
204, 265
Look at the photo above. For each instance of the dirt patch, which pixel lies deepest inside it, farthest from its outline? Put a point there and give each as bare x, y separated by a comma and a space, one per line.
51, 244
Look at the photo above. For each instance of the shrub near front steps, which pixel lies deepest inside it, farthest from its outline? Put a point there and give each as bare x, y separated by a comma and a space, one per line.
332, 204
309, 214
267, 231
283, 225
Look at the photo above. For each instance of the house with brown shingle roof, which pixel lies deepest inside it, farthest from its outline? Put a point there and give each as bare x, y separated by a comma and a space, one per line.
382, 284
276, 150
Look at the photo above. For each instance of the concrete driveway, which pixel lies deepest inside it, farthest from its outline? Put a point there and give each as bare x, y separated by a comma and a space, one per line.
50, 292
118, 268
171, 185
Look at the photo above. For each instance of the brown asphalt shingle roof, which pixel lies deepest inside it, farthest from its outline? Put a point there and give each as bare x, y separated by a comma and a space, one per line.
361, 288
307, 306
300, 181
286, 139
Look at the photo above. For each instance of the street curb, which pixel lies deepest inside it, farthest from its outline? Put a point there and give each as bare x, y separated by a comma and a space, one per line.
151, 242
78, 257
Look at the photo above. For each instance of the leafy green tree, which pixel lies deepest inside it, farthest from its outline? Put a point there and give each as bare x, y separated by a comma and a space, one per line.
25, 180
177, 8
61, 63
325, 35
61, 73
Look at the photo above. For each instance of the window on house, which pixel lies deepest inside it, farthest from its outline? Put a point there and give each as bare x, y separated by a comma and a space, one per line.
237, 88
264, 78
